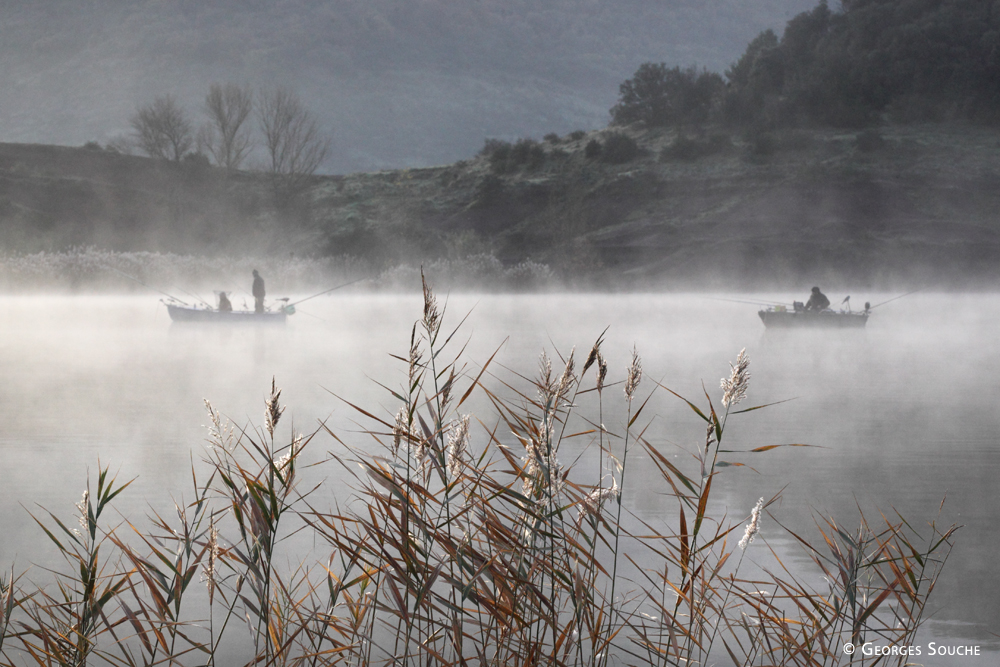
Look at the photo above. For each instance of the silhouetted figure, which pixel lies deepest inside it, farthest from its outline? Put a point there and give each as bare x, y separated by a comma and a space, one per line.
258, 292
224, 305
817, 301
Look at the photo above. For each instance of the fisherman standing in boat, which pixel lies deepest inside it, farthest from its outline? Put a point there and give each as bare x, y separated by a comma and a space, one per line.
258, 292
817, 301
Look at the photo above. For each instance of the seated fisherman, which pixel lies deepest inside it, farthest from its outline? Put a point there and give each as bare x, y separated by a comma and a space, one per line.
817, 301
224, 304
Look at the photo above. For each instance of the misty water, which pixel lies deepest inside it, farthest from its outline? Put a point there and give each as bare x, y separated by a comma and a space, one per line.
902, 414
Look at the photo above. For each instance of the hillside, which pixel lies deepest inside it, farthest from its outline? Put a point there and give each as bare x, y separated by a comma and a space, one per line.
56, 197
906, 204
909, 204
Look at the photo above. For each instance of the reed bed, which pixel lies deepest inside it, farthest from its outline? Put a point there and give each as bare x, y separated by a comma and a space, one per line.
468, 540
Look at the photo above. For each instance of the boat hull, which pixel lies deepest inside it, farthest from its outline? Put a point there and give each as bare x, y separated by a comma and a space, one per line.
804, 319
182, 314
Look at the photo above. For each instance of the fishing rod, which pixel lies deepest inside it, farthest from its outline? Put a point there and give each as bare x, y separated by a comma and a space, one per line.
754, 303
169, 296
195, 296
893, 299
332, 289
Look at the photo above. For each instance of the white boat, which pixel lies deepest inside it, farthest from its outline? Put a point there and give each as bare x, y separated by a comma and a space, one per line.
192, 314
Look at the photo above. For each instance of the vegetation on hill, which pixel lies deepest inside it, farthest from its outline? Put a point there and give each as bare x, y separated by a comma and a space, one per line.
620, 206
872, 61
400, 84
791, 168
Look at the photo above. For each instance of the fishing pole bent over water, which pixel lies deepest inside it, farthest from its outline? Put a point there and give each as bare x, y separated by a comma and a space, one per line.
169, 296
332, 289
893, 299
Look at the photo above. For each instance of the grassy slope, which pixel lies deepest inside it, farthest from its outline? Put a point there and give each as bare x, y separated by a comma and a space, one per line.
56, 197
920, 208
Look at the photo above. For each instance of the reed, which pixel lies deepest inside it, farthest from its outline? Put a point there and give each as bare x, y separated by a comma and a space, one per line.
468, 540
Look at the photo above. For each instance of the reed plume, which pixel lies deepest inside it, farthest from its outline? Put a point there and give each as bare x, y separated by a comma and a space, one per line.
458, 445
592, 357
272, 409
432, 316
219, 434
602, 372
754, 526
593, 503
209, 567
634, 376
735, 386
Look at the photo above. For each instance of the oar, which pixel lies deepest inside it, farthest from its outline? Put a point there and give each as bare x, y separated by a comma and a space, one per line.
893, 299
169, 296
332, 289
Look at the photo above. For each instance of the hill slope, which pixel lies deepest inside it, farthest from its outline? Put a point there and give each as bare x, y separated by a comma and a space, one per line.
912, 204
917, 203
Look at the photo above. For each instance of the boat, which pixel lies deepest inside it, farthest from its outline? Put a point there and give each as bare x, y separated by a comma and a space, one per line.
779, 317
192, 314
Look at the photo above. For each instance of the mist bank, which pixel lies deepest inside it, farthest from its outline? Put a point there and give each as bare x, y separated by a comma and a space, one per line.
618, 208
95, 271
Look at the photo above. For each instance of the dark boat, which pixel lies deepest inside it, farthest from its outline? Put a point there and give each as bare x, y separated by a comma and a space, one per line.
189, 314
781, 318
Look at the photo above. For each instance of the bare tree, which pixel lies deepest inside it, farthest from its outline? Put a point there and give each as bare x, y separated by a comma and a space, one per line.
227, 136
295, 147
162, 128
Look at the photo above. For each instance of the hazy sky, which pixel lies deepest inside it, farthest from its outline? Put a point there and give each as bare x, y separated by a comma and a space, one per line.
396, 83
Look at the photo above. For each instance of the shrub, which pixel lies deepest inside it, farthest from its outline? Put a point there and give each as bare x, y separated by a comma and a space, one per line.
120, 144
592, 150
92, 146
689, 148
619, 148
197, 159
498, 152
576, 135
492, 146
506, 157
551, 138
527, 152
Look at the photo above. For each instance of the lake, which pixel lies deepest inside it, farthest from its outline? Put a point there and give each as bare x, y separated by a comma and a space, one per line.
901, 414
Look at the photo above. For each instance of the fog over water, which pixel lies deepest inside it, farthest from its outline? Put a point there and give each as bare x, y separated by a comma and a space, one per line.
902, 413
